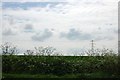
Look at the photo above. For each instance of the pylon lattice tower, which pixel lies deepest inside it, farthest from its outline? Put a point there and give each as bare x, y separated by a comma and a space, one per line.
92, 46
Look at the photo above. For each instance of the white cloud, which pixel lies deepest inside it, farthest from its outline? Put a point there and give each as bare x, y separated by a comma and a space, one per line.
28, 28
42, 36
71, 1
9, 31
84, 15
0, 26
74, 34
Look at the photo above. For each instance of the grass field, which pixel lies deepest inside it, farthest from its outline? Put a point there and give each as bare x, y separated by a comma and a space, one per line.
60, 66
82, 75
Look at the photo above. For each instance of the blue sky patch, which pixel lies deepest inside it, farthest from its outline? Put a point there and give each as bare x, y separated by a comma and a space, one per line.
27, 5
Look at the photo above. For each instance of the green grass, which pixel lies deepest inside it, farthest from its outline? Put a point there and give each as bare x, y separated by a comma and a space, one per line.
82, 75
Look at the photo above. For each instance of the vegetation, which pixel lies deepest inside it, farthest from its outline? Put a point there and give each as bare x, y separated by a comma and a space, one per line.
103, 64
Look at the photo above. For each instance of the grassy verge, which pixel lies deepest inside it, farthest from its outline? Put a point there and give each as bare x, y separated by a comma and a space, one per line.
82, 75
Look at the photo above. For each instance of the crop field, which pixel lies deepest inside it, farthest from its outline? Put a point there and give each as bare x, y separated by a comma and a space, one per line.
60, 66
42, 63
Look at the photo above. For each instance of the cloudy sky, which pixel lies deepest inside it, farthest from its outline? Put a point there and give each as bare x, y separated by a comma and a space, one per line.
66, 25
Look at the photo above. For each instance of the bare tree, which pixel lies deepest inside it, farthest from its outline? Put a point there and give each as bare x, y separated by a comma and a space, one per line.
100, 52
39, 51
8, 49
44, 51
29, 52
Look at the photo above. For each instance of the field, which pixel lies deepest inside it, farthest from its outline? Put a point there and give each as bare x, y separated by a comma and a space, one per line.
29, 66
43, 63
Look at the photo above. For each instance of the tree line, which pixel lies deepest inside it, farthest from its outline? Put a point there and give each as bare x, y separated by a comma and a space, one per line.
9, 49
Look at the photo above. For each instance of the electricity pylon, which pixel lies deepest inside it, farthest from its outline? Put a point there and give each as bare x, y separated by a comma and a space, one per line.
92, 46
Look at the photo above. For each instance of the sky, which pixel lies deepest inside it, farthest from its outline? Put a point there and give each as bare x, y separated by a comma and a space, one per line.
67, 25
